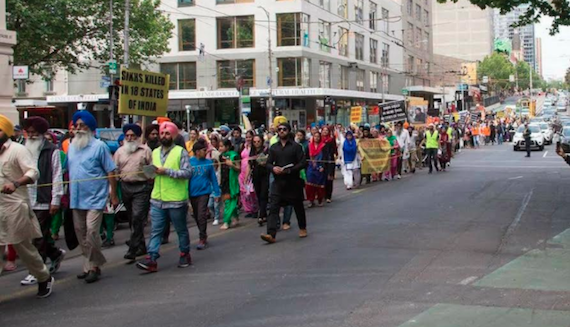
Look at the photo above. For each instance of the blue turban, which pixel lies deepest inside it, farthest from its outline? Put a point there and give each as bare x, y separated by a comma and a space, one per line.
121, 138
225, 128
87, 118
133, 127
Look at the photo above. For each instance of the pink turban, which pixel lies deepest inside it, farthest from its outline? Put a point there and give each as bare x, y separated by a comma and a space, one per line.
171, 127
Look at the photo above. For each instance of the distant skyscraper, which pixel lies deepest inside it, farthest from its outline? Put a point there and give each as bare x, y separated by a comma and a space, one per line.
504, 30
462, 30
538, 67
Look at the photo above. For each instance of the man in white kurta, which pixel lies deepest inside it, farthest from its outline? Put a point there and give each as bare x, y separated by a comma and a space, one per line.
18, 224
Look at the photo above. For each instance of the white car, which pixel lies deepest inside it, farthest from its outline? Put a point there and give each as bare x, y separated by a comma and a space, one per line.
560, 107
536, 138
547, 131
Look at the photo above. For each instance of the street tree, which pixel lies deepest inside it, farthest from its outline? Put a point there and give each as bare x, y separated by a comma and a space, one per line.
567, 76
559, 10
498, 68
74, 34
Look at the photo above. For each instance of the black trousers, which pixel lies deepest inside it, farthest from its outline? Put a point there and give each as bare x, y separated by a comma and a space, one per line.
527, 146
261, 186
45, 245
200, 209
432, 156
328, 188
400, 165
276, 203
136, 197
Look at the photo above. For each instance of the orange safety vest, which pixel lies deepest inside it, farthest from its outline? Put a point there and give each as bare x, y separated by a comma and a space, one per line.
475, 131
486, 131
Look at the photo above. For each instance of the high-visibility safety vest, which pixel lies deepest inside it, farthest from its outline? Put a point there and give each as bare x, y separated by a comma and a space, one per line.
475, 131
432, 140
166, 188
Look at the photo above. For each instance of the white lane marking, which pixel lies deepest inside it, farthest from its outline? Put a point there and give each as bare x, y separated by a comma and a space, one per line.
545, 153
468, 280
512, 178
516, 221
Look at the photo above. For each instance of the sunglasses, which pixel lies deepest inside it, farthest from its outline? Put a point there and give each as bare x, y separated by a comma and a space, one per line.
283, 129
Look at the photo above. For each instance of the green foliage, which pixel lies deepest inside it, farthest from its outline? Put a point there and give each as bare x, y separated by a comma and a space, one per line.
498, 68
559, 10
70, 34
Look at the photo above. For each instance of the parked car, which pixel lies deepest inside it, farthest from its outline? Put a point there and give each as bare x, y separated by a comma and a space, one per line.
565, 139
109, 136
536, 138
547, 131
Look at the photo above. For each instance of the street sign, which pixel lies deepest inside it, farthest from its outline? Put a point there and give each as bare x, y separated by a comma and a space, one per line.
463, 87
105, 82
20, 72
405, 92
112, 67
511, 78
485, 79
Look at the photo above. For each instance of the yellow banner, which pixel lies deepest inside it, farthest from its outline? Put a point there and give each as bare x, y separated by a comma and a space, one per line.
355, 114
143, 93
501, 114
375, 155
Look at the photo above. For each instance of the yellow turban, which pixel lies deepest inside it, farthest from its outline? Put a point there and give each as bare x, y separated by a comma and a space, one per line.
6, 126
279, 120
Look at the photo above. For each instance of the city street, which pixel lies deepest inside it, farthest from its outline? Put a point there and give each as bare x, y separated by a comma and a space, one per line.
484, 244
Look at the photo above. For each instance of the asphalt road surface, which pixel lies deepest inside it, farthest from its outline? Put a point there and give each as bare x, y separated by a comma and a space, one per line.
485, 244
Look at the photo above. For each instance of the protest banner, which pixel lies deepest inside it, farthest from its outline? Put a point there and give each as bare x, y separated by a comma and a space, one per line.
143, 93
355, 114
375, 155
393, 111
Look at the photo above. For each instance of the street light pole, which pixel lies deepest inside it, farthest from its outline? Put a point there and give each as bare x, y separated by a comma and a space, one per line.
111, 57
126, 32
188, 107
270, 59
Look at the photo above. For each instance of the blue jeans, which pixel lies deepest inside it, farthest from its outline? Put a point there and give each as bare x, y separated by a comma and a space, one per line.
158, 219
287, 213
214, 207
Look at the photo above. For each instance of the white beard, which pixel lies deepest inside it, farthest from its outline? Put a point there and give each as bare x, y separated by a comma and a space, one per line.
81, 139
34, 145
131, 146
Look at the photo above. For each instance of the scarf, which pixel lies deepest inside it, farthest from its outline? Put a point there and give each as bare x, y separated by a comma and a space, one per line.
315, 149
349, 148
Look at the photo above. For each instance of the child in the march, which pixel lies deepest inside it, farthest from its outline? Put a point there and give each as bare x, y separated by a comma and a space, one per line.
230, 166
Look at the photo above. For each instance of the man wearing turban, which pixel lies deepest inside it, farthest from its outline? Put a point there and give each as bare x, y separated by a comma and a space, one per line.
19, 225
89, 162
135, 186
169, 198
45, 200
151, 136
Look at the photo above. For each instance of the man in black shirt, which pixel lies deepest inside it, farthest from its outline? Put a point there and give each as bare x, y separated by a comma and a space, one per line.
286, 160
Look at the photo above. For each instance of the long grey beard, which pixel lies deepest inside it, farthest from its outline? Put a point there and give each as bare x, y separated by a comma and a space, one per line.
81, 139
131, 146
34, 145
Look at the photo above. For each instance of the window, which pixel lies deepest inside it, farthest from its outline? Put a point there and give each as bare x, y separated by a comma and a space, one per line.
21, 84
186, 35
360, 79
324, 35
385, 83
373, 51
410, 65
410, 33
409, 7
343, 80
236, 32
385, 20
342, 9
418, 13
223, 2
419, 64
230, 70
373, 82
359, 11
325, 4
426, 17
185, 3
325, 74
182, 75
49, 85
343, 42
292, 30
359, 46
426, 41
293, 71
372, 16
418, 36
385, 55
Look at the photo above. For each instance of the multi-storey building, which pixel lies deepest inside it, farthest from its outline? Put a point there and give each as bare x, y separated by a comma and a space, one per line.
417, 40
538, 56
462, 30
505, 30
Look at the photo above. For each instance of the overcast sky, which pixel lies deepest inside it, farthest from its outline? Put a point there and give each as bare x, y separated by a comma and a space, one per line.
555, 50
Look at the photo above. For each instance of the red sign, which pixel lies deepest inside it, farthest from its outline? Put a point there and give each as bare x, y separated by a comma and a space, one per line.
374, 110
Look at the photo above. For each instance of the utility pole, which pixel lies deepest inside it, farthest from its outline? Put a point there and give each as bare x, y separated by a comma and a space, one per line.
111, 57
270, 59
126, 32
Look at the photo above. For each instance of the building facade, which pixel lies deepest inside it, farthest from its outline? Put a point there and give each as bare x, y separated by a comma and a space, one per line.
505, 30
538, 55
417, 41
462, 30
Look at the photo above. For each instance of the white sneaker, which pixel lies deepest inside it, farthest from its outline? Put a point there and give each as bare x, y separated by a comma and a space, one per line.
29, 280
398, 177
216, 222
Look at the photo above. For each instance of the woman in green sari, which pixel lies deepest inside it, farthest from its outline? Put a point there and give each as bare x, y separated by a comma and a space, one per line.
230, 161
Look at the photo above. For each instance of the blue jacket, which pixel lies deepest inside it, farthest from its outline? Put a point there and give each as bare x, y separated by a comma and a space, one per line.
203, 180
